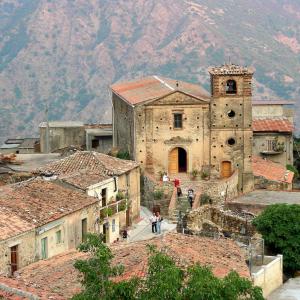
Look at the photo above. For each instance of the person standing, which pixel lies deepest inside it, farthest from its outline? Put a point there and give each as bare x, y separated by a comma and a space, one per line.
158, 222
191, 197
153, 223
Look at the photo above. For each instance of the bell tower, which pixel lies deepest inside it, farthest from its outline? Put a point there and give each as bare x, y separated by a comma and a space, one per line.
231, 135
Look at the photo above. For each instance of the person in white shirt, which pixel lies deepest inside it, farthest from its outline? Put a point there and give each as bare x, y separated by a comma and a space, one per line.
153, 223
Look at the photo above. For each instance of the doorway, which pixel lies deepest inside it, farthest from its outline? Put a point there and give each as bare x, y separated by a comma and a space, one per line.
83, 229
14, 259
44, 248
177, 161
103, 197
225, 169
105, 232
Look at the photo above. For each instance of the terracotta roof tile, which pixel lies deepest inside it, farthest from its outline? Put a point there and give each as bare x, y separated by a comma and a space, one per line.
154, 87
93, 162
36, 202
270, 170
275, 124
57, 275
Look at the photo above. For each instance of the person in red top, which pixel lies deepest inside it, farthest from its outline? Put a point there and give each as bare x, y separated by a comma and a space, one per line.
176, 182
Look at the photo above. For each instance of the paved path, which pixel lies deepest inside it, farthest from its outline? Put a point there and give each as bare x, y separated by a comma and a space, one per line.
142, 230
288, 291
269, 197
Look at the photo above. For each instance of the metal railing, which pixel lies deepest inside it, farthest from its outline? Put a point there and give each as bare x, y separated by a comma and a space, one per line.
113, 208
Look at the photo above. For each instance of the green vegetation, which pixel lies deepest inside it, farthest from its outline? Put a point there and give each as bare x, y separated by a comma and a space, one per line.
158, 194
293, 169
164, 280
279, 225
123, 154
205, 199
120, 196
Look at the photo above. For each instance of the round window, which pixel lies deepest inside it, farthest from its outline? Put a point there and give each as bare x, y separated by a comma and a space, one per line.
231, 114
231, 141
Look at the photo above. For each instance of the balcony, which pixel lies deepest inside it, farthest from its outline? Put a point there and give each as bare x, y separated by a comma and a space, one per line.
113, 208
273, 147
271, 152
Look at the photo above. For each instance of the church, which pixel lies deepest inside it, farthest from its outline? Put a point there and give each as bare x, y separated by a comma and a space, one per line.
178, 127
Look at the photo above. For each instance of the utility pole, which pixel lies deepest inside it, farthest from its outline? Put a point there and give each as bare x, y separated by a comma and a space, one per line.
47, 129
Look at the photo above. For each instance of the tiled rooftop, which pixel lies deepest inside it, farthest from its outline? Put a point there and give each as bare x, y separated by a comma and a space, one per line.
84, 178
274, 124
36, 202
271, 170
57, 274
230, 69
154, 87
94, 162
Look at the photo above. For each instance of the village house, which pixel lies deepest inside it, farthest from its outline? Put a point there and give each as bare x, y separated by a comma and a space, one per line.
177, 127
57, 135
115, 182
273, 127
40, 219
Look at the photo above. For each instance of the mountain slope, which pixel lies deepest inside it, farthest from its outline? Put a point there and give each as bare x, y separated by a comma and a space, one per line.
67, 53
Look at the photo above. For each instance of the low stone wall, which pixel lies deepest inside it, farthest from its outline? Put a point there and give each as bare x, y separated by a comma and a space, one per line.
269, 276
221, 190
253, 208
263, 183
201, 219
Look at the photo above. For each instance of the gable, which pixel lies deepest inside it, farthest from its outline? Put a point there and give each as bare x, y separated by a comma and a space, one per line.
177, 98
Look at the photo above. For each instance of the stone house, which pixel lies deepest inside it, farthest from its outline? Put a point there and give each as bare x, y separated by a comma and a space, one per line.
115, 182
21, 145
273, 130
40, 219
63, 134
177, 127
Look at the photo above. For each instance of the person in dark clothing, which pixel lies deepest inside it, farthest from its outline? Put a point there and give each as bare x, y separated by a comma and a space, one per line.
179, 192
153, 223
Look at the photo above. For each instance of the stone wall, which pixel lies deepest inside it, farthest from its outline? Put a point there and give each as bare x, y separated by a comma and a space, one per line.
207, 219
26, 251
221, 190
263, 183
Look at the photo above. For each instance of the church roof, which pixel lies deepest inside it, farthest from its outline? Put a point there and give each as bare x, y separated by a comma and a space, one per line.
155, 87
230, 69
273, 124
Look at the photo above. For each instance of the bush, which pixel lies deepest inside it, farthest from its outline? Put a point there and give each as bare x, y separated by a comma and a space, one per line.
120, 196
293, 169
279, 225
158, 194
123, 154
122, 206
204, 175
108, 211
205, 199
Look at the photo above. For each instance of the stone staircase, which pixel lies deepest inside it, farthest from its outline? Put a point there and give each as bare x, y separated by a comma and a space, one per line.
182, 207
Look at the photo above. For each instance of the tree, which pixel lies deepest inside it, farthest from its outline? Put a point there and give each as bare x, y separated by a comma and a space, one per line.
279, 225
164, 279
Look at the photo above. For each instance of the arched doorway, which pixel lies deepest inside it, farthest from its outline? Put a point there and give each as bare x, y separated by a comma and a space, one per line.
226, 169
177, 161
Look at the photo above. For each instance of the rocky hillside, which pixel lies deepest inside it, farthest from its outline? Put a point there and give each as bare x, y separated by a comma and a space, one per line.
67, 52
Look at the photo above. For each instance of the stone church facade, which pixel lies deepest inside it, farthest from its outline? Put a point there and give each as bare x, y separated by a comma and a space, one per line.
177, 127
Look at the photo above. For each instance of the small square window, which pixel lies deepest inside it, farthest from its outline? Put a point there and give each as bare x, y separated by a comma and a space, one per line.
58, 237
177, 120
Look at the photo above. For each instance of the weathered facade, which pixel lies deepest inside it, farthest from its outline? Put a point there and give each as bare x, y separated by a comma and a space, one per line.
106, 178
40, 219
176, 127
273, 130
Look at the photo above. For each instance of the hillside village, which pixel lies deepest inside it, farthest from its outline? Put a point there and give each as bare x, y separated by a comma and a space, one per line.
208, 163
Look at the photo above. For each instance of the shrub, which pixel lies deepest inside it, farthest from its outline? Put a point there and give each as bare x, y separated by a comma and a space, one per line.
120, 196
204, 175
293, 169
279, 225
194, 173
108, 211
122, 206
205, 199
123, 154
158, 194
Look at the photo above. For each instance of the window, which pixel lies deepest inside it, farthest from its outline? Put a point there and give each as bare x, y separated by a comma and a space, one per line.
271, 145
115, 184
103, 197
231, 87
113, 225
231, 114
14, 259
177, 120
231, 141
58, 237
44, 248
95, 143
